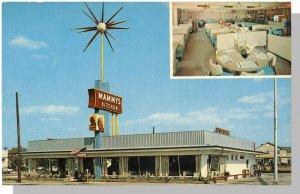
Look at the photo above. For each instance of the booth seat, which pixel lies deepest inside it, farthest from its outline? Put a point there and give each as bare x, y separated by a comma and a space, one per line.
268, 70
275, 31
179, 52
214, 40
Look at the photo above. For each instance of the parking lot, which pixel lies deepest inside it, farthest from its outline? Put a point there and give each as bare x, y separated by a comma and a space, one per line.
265, 179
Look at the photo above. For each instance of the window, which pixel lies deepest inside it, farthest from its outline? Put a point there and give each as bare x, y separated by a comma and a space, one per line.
242, 157
247, 163
231, 157
236, 157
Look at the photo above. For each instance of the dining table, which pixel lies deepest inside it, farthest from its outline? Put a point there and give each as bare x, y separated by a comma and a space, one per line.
232, 60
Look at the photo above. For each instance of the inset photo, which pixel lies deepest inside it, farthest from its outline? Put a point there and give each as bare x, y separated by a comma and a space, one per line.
230, 39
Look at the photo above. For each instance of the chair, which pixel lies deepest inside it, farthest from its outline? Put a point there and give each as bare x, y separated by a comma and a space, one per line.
262, 72
269, 70
272, 61
216, 69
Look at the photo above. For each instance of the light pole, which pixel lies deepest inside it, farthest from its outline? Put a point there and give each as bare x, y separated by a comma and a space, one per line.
19, 138
275, 181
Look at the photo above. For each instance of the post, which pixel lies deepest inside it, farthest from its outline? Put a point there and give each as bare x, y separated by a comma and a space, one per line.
102, 57
18, 133
139, 166
160, 166
112, 124
87, 175
275, 182
98, 135
49, 166
117, 125
178, 165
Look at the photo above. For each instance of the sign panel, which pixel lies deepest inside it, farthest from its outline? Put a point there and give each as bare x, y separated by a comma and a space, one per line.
96, 122
222, 131
105, 101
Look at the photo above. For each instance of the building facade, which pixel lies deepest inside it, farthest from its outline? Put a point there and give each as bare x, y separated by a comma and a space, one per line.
4, 158
284, 154
188, 153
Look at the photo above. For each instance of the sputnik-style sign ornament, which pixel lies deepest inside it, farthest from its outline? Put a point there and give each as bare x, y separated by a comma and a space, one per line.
101, 28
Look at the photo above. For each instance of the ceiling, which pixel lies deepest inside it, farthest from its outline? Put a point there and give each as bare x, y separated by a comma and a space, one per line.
201, 6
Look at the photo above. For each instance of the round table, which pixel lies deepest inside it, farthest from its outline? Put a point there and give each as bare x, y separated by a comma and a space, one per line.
232, 60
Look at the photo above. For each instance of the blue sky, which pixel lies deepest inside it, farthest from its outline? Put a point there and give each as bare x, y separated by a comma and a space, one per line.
42, 59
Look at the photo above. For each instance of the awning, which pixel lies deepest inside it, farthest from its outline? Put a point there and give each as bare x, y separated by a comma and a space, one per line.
80, 153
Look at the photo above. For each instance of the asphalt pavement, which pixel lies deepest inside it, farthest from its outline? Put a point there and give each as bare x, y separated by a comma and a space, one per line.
265, 179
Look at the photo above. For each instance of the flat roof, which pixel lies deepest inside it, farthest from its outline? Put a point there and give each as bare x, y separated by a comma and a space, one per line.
144, 141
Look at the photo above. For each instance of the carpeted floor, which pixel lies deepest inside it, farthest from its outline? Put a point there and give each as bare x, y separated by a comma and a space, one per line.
198, 51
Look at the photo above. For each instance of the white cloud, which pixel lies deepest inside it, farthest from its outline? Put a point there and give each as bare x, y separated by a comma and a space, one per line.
24, 42
258, 98
51, 109
165, 117
284, 101
39, 56
72, 129
240, 114
269, 114
210, 116
51, 119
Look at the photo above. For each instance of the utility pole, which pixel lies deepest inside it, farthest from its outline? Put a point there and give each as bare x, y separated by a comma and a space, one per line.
19, 141
275, 181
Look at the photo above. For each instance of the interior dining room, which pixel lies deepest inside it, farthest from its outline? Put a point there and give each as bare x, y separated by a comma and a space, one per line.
231, 39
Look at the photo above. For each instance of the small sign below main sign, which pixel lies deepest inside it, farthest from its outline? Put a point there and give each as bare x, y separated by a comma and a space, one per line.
96, 122
105, 101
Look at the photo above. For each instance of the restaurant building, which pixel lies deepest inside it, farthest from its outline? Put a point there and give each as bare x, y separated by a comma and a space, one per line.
188, 153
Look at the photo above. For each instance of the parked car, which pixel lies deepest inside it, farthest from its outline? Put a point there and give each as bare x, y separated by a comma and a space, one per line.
6, 170
40, 168
54, 170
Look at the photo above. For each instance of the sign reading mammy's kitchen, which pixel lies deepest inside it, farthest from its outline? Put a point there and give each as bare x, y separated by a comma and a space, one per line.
105, 101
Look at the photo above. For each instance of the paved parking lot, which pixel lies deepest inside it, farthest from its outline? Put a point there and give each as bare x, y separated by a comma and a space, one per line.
265, 179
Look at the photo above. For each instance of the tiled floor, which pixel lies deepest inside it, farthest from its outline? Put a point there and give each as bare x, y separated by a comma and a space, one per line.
198, 51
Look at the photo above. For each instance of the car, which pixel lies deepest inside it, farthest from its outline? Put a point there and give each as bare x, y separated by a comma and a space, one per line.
54, 169
40, 168
6, 170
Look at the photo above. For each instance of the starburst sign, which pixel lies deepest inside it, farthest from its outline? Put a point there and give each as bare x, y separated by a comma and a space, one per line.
101, 26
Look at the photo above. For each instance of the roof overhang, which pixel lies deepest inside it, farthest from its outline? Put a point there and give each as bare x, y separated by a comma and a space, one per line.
185, 150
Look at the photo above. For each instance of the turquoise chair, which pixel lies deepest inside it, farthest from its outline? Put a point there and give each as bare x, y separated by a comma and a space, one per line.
214, 40
277, 32
179, 52
268, 70
272, 63
261, 72
226, 74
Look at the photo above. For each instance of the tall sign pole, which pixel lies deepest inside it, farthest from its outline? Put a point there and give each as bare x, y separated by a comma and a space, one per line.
19, 141
102, 57
275, 181
102, 28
